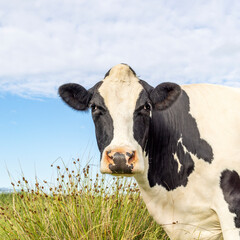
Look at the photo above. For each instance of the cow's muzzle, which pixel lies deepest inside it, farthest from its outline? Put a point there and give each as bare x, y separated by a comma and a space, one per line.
119, 161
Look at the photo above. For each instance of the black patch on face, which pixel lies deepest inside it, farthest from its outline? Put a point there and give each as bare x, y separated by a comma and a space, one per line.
230, 185
167, 127
81, 99
141, 119
102, 120
120, 166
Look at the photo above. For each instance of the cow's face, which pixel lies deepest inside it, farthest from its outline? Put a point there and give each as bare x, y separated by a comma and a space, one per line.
121, 107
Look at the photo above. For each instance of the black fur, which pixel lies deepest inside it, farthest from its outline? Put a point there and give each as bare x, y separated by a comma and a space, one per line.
103, 122
141, 119
81, 99
75, 96
158, 135
230, 185
167, 127
148, 88
164, 95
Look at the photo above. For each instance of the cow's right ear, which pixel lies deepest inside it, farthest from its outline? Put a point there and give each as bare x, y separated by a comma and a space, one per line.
75, 96
164, 95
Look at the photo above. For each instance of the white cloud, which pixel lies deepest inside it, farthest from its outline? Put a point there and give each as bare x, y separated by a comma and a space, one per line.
46, 43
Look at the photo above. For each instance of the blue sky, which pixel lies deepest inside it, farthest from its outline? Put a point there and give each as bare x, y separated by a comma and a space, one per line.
35, 133
44, 44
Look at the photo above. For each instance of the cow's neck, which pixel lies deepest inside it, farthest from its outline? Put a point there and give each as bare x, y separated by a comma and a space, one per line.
173, 140
156, 199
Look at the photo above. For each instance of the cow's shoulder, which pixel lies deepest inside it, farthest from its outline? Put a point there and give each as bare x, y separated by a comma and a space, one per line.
216, 111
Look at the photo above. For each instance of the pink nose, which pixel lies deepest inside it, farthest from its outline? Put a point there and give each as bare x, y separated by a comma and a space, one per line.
121, 161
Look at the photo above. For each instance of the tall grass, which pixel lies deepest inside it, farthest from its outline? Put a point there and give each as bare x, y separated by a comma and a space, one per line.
77, 206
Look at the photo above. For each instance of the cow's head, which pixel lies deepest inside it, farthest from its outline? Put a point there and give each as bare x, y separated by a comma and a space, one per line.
122, 106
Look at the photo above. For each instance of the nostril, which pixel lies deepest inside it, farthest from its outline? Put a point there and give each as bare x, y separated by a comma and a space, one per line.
108, 154
131, 156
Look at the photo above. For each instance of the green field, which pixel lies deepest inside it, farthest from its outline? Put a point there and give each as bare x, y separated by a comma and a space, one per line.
77, 206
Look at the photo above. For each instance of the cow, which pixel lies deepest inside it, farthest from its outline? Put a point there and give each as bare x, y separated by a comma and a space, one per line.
181, 143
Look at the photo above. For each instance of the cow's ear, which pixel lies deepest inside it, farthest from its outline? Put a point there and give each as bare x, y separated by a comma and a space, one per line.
164, 95
75, 95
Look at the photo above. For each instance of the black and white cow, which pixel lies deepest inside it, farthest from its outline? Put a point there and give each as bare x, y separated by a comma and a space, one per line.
181, 143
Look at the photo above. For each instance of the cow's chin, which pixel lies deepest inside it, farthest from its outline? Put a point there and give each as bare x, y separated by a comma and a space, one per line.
122, 175
115, 171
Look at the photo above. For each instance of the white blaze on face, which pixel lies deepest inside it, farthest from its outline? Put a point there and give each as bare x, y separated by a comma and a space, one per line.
120, 91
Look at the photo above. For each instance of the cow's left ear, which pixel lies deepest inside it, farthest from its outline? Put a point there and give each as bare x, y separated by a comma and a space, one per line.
75, 96
164, 95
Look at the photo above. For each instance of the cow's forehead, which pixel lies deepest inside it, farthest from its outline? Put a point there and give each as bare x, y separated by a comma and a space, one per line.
120, 88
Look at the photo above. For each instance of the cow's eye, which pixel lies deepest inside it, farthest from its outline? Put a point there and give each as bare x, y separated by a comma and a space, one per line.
94, 107
147, 107
97, 110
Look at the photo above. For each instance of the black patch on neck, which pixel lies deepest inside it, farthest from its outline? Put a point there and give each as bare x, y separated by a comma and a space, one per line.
230, 185
103, 122
171, 131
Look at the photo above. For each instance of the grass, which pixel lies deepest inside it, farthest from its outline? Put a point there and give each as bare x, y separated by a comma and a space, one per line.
77, 206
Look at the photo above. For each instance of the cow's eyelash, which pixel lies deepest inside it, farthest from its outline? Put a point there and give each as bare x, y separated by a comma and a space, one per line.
96, 107
147, 106
144, 107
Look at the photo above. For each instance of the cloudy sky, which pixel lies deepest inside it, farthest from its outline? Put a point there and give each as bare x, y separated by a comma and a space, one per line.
44, 43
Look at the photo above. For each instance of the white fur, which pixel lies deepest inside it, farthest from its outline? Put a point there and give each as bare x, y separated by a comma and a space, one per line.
120, 91
197, 211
